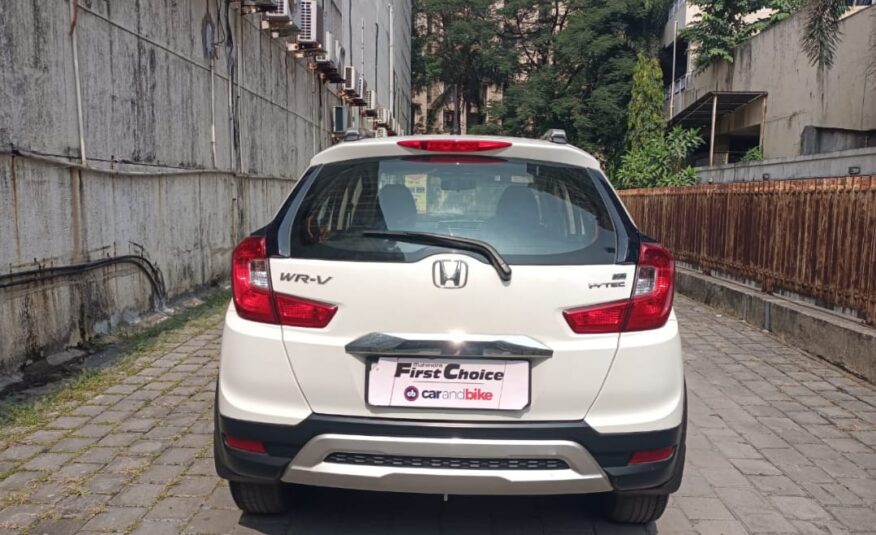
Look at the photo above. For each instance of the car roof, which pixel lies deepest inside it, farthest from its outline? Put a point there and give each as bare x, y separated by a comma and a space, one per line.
524, 148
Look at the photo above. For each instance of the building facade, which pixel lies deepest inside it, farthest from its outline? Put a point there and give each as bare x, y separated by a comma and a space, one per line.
771, 96
141, 140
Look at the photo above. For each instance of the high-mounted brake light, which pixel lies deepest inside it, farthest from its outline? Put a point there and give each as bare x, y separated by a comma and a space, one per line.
255, 299
453, 145
648, 308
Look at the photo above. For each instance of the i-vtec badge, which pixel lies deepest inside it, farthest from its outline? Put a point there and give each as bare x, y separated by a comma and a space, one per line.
618, 281
303, 277
450, 274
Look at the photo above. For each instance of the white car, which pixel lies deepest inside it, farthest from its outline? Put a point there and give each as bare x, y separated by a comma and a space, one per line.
452, 315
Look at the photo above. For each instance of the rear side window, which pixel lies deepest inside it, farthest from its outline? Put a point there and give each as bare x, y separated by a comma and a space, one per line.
532, 212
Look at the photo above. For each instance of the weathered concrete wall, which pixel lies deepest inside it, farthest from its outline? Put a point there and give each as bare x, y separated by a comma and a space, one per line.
815, 166
799, 95
147, 74
836, 339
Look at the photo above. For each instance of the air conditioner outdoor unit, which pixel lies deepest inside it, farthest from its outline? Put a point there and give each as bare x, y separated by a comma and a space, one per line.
381, 132
340, 119
371, 103
361, 88
351, 80
382, 116
338, 75
280, 12
250, 6
308, 18
327, 59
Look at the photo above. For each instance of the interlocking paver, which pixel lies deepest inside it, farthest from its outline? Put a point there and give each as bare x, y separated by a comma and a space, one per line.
777, 442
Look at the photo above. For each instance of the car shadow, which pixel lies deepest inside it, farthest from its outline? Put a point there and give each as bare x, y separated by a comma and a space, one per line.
322, 511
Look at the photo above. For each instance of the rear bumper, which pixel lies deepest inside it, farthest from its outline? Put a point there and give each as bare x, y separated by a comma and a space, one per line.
595, 462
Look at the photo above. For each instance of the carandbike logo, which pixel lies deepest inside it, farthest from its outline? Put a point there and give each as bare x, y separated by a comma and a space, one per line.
411, 393
464, 394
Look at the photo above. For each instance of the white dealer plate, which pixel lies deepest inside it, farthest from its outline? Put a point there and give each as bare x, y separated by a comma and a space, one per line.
448, 383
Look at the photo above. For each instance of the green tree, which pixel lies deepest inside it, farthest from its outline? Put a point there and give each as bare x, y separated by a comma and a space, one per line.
576, 65
661, 161
459, 47
720, 27
821, 34
645, 119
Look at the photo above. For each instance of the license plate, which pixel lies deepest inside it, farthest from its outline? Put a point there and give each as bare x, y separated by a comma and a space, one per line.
448, 383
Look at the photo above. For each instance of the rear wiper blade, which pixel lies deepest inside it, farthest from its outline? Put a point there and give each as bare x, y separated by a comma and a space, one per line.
456, 242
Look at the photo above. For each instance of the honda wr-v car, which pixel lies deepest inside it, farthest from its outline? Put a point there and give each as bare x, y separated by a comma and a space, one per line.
453, 315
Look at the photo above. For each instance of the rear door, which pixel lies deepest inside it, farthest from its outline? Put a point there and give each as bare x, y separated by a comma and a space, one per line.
400, 299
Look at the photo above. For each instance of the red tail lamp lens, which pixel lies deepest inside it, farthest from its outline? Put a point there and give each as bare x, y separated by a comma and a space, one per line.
250, 281
649, 306
298, 312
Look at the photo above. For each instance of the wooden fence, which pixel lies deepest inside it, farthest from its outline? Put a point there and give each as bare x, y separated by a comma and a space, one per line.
814, 237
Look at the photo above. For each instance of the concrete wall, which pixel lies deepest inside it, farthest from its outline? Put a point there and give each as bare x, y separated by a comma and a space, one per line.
798, 94
152, 184
814, 166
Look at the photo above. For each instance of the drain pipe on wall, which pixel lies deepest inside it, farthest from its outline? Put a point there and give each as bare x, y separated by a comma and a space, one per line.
392, 103
74, 10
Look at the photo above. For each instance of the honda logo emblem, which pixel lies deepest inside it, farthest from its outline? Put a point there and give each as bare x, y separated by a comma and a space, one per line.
450, 274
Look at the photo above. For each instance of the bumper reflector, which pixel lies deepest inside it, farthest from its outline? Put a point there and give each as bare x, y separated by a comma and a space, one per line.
652, 456
245, 444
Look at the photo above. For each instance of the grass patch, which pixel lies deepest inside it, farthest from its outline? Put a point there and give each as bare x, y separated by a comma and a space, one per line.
20, 418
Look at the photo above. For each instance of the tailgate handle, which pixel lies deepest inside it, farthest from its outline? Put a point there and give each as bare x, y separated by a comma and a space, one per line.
383, 344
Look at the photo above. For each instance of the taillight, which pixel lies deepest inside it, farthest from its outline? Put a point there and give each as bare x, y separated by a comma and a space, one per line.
605, 318
254, 298
453, 145
648, 308
251, 282
299, 312
653, 290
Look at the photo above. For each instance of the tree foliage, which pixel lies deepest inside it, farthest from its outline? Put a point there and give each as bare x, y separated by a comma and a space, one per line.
720, 27
654, 157
661, 161
558, 64
723, 26
458, 44
821, 34
645, 119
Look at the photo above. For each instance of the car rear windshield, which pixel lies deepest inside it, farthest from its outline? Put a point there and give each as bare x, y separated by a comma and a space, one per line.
531, 212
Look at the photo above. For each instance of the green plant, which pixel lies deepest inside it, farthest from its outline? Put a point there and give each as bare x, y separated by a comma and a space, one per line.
645, 119
720, 27
754, 154
659, 162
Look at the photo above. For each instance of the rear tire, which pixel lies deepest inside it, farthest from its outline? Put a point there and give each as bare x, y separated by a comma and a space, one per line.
261, 498
636, 509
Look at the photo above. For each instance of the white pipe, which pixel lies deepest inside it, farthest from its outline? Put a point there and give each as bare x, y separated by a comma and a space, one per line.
239, 79
392, 105
73, 6
672, 87
212, 107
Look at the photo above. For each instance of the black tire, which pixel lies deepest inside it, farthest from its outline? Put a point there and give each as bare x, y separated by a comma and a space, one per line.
260, 498
636, 508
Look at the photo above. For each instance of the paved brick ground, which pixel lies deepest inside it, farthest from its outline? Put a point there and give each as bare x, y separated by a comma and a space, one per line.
778, 442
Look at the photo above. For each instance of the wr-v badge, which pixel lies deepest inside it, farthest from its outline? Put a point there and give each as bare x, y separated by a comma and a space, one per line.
450, 274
